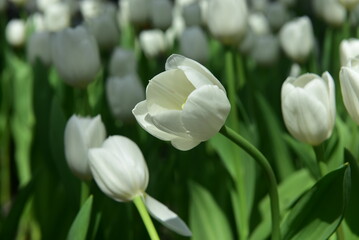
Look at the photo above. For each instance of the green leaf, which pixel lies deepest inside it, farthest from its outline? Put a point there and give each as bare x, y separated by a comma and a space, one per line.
318, 213
207, 220
281, 156
289, 192
8, 228
352, 213
80, 225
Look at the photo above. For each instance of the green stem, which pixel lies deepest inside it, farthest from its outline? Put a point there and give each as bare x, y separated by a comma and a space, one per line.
146, 218
85, 192
231, 86
340, 233
328, 43
263, 162
319, 154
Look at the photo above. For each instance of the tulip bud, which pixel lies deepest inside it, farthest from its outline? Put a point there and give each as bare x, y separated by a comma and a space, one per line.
231, 12
192, 14
331, 11
37, 22
258, 23
105, 39
348, 49
57, 17
266, 50
349, 82
43, 4
161, 14
185, 104
81, 134
123, 62
297, 39
119, 168
121, 172
277, 14
153, 42
15, 32
38, 48
76, 56
308, 107
123, 93
194, 44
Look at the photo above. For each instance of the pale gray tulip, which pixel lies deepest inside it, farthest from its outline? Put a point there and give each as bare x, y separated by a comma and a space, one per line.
123, 62
76, 56
348, 49
38, 48
81, 134
194, 44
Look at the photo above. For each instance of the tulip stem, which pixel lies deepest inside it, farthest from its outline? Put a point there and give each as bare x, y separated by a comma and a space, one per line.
319, 154
146, 218
263, 162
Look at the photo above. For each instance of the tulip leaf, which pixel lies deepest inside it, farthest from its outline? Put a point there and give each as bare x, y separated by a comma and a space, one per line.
273, 131
9, 227
351, 215
289, 191
207, 219
79, 227
319, 211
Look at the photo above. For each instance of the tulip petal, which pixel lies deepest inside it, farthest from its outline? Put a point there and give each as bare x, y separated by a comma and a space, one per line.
305, 117
350, 90
144, 119
165, 216
184, 144
205, 112
176, 61
170, 122
167, 91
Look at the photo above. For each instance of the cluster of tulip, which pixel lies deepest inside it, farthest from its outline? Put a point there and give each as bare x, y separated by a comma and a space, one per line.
73, 101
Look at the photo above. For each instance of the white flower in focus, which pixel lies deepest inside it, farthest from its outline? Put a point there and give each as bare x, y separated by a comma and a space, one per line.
153, 42
349, 84
57, 17
81, 134
227, 19
308, 107
121, 172
348, 49
16, 32
123, 93
185, 104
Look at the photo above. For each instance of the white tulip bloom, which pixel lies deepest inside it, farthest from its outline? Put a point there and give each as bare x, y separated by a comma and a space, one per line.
76, 56
153, 42
192, 14
161, 13
308, 107
194, 44
297, 38
227, 19
186, 104
348, 49
81, 134
57, 17
121, 172
123, 62
38, 48
331, 11
349, 83
15, 32
123, 93
43, 4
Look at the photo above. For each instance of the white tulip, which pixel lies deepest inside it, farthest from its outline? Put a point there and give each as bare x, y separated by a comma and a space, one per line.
258, 23
139, 12
16, 32
153, 42
105, 39
57, 17
297, 39
331, 11
348, 49
266, 49
76, 56
81, 134
123, 62
43, 4
192, 14
227, 20
308, 107
194, 44
161, 13
349, 83
123, 93
38, 48
121, 172
277, 14
185, 104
